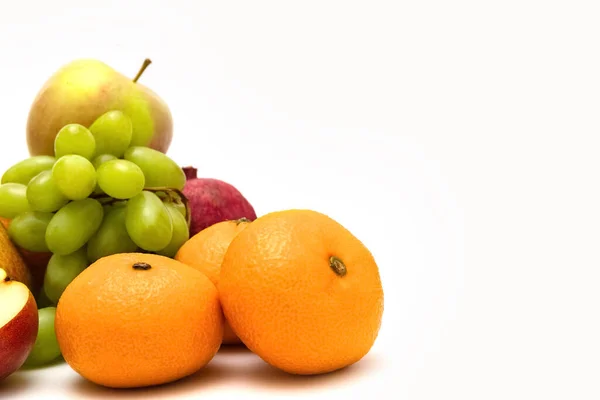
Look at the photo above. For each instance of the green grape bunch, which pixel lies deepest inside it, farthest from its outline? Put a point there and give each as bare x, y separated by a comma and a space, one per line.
98, 195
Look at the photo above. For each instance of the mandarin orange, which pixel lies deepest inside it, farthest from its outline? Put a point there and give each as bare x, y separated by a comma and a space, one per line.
302, 292
134, 320
205, 251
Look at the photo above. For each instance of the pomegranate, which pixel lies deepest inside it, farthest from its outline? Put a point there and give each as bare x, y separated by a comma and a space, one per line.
213, 200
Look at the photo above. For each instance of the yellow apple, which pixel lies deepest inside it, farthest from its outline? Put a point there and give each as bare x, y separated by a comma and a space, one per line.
83, 90
18, 324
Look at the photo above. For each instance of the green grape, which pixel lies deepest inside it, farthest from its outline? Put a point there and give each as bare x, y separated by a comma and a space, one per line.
180, 207
181, 232
120, 179
45, 348
43, 194
158, 168
23, 171
97, 162
148, 222
73, 225
28, 230
111, 237
114, 204
112, 131
101, 159
13, 200
74, 139
61, 271
42, 299
75, 176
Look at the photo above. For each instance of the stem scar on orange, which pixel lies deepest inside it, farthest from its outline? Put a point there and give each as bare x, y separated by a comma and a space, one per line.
302, 292
134, 320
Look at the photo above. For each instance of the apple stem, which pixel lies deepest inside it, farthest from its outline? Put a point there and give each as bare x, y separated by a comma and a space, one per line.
147, 62
337, 266
142, 265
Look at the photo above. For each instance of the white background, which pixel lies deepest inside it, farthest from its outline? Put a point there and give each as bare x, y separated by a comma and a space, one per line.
458, 139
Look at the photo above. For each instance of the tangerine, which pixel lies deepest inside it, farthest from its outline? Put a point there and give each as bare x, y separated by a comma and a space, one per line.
302, 292
134, 320
205, 251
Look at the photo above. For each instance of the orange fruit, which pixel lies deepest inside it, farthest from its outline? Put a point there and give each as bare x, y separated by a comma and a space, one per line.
205, 251
134, 320
302, 292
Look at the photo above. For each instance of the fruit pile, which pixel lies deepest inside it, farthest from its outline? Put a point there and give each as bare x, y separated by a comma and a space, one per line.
136, 271
96, 196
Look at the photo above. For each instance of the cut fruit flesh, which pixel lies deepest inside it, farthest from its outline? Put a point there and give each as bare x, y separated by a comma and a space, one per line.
13, 297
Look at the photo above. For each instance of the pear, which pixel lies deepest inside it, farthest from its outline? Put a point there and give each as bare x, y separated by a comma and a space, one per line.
83, 90
28, 267
12, 261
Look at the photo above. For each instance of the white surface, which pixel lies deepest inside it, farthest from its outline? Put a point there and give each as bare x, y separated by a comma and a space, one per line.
458, 140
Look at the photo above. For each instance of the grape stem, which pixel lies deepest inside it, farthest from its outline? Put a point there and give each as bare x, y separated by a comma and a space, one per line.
170, 195
175, 196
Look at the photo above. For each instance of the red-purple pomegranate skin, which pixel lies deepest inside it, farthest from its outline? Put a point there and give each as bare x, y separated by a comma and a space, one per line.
212, 200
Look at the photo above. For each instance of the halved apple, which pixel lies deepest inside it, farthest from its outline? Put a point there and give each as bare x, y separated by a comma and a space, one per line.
18, 324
